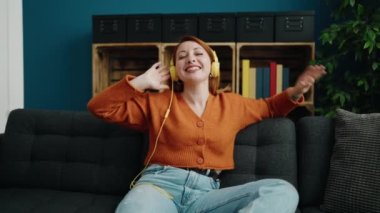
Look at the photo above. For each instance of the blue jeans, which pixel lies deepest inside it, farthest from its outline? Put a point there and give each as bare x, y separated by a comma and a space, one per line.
168, 189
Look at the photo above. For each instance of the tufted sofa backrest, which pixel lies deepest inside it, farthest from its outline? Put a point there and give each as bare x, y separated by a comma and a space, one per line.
264, 150
71, 151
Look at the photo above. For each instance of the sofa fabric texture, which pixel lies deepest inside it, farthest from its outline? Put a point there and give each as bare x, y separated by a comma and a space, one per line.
55, 161
315, 139
68, 151
264, 150
62, 161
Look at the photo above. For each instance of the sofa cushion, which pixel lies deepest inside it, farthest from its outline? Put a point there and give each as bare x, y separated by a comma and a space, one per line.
353, 182
315, 140
311, 210
264, 150
71, 151
19, 200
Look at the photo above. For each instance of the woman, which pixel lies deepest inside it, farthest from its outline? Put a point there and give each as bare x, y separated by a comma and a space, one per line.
192, 133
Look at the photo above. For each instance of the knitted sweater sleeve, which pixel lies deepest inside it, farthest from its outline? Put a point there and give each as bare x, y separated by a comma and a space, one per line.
276, 106
279, 105
122, 104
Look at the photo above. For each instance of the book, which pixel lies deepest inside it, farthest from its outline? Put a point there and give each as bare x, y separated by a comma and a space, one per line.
285, 78
259, 82
252, 82
272, 78
266, 82
279, 78
245, 77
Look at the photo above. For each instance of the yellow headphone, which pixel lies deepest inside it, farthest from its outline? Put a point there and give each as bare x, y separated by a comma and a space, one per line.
215, 68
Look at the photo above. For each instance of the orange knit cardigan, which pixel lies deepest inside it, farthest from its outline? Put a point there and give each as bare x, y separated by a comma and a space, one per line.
187, 140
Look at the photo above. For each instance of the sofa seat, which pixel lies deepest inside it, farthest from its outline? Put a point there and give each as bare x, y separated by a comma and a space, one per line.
22, 200
312, 209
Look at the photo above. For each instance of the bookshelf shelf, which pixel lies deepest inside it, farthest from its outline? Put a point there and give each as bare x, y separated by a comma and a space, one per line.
293, 55
112, 61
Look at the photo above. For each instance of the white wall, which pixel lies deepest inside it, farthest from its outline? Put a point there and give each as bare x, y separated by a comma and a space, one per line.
11, 59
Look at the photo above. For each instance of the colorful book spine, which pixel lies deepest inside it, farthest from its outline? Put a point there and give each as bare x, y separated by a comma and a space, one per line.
252, 82
279, 78
285, 77
266, 82
272, 77
259, 82
245, 77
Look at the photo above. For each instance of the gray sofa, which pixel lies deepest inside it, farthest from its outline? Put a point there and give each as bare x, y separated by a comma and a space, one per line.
63, 161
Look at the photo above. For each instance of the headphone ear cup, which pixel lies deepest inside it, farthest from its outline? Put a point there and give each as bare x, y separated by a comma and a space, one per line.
215, 66
172, 71
215, 69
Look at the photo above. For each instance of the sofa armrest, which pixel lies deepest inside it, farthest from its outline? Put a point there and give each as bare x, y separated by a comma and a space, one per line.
315, 139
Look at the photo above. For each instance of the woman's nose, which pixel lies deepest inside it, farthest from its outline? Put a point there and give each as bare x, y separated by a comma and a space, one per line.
191, 59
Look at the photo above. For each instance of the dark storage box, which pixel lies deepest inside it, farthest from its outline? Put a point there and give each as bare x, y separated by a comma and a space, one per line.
255, 27
178, 25
144, 28
217, 27
108, 28
295, 26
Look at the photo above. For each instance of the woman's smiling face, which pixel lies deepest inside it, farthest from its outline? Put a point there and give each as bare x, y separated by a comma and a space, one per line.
192, 62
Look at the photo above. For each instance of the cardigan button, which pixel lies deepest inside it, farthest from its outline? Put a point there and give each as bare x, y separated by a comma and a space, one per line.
201, 141
199, 123
200, 160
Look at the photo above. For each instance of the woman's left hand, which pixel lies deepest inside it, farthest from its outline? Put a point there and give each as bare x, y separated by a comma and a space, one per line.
306, 80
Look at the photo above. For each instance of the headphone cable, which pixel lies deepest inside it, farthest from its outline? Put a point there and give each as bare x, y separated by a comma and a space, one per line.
158, 136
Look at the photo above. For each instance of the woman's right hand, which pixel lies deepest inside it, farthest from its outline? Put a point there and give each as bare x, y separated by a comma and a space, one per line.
154, 78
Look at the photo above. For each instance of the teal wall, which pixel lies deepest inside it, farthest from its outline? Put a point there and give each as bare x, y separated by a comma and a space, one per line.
57, 40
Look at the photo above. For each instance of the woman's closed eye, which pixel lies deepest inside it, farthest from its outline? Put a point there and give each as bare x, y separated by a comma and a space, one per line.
182, 56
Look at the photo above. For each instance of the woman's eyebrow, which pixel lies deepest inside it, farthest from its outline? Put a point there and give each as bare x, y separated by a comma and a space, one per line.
195, 48
185, 52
